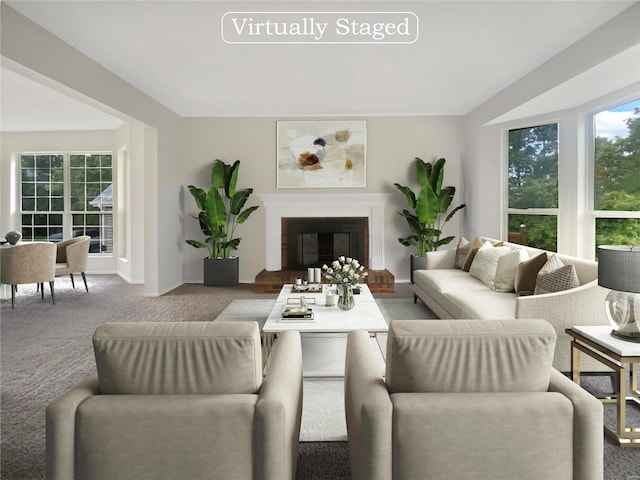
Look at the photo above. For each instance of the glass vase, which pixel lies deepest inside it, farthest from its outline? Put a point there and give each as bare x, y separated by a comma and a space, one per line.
345, 297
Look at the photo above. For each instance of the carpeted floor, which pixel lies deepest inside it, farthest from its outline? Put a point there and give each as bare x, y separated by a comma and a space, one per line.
47, 349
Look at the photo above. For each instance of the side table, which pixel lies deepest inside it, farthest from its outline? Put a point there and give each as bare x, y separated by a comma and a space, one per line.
598, 343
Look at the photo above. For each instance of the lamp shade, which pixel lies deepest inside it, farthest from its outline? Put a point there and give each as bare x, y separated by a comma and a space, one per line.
619, 268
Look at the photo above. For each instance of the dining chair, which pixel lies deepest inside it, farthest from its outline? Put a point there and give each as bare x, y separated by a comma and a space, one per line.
25, 263
72, 256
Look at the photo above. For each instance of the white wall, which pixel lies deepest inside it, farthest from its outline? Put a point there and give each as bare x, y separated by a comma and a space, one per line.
392, 145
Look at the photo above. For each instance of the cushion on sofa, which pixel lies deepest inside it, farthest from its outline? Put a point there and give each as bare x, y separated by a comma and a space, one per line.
486, 303
525, 281
469, 356
178, 357
555, 276
462, 250
475, 246
506, 269
485, 263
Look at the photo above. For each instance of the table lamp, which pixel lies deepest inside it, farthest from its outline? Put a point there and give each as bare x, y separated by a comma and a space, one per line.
619, 270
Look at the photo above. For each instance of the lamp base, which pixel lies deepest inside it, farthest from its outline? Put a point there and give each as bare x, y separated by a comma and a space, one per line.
623, 312
634, 337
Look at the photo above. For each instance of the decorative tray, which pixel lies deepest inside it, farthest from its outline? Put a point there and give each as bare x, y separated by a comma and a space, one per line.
312, 287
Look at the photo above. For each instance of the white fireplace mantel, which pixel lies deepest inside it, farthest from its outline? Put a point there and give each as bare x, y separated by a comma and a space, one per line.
279, 206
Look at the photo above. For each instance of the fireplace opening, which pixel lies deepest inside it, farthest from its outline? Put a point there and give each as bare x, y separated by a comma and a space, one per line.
315, 241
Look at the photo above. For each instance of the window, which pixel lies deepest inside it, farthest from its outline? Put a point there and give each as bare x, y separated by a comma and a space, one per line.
616, 175
532, 208
64, 195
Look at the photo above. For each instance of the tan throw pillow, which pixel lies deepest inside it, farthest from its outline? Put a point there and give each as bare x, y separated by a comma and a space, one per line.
525, 282
462, 250
475, 246
507, 268
555, 276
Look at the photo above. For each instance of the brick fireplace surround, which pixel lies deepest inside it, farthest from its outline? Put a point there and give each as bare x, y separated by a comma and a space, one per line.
279, 206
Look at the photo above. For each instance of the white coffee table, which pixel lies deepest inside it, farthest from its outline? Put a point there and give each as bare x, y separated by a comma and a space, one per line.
324, 338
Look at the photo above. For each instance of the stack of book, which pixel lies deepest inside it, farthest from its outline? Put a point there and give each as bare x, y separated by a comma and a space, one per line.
297, 313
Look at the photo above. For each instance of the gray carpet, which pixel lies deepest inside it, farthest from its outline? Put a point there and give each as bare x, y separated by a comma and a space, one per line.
323, 404
46, 349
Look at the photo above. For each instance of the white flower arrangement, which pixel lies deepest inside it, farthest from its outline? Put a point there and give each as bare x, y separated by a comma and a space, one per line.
344, 271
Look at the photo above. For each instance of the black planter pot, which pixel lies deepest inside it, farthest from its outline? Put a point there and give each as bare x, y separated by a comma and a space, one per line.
221, 272
417, 263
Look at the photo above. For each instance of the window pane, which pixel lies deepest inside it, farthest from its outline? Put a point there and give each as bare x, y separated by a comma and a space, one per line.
77, 175
539, 231
43, 161
28, 174
57, 189
40, 233
93, 174
42, 190
28, 189
43, 175
78, 220
57, 204
93, 161
27, 161
76, 161
28, 204
617, 231
42, 204
533, 167
57, 174
617, 158
77, 204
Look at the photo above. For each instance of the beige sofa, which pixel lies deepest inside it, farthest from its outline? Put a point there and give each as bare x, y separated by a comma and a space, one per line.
454, 294
440, 413
180, 400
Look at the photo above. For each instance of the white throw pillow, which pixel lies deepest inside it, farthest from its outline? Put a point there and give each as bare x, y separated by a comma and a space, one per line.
507, 268
485, 263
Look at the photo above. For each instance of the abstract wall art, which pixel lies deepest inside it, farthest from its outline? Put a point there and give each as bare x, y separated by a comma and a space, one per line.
321, 154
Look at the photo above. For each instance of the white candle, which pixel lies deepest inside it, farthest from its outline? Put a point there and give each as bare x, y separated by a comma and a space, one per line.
310, 275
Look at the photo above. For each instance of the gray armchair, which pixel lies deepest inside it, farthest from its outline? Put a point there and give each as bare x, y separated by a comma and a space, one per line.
25, 263
468, 399
72, 256
175, 400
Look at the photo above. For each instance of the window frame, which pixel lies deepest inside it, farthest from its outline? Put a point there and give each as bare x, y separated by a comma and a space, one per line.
555, 211
68, 214
592, 214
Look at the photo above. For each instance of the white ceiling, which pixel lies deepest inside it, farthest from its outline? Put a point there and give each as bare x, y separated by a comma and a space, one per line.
467, 52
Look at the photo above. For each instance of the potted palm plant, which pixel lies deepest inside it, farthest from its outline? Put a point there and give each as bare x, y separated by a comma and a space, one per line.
427, 213
221, 211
